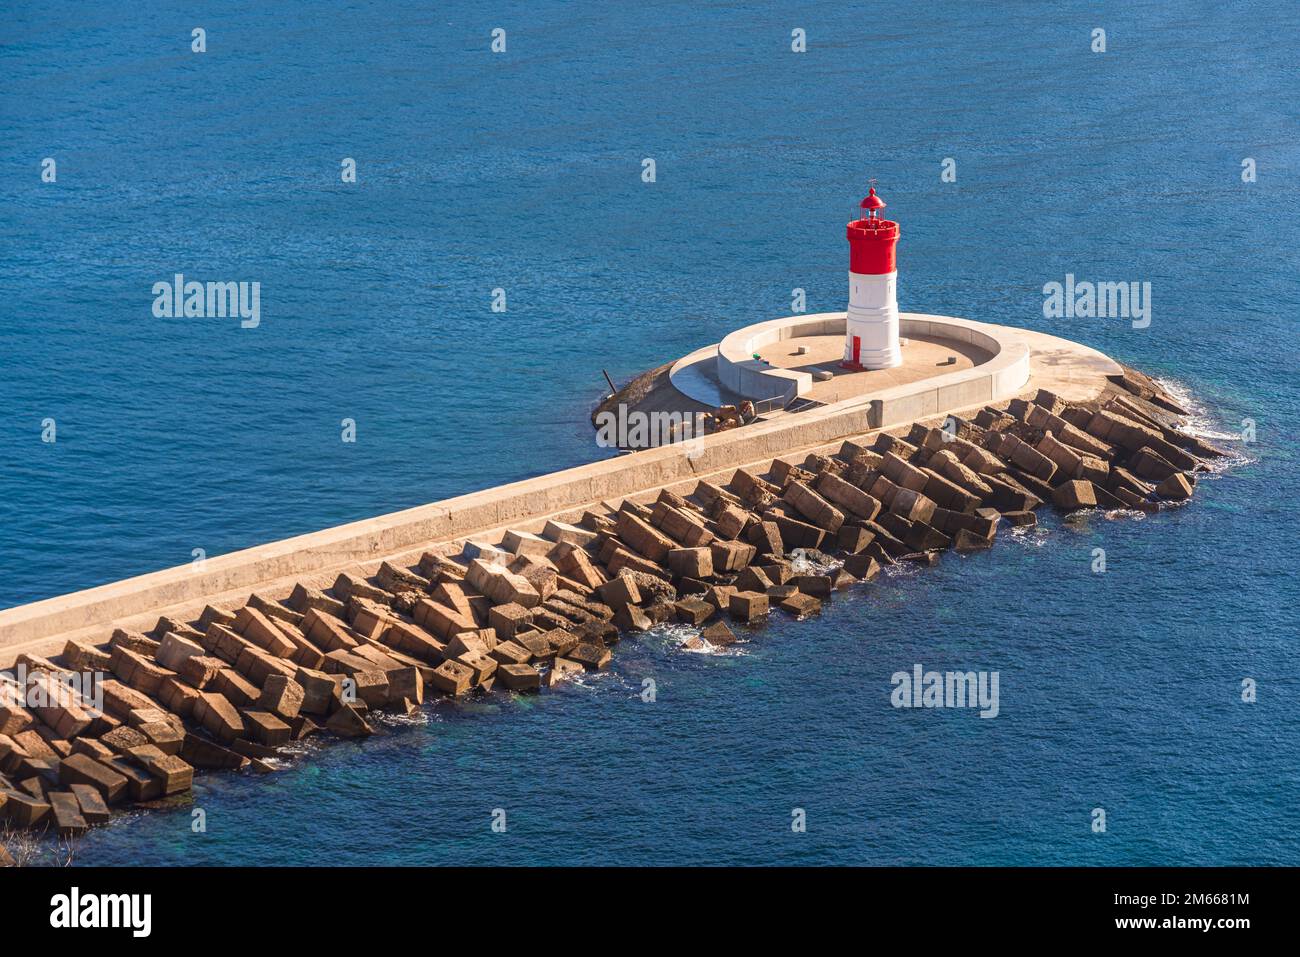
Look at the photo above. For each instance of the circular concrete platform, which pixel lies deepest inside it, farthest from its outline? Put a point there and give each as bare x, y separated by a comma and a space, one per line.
776, 361
991, 363
923, 357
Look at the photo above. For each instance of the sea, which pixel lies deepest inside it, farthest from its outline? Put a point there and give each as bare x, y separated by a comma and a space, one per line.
611, 187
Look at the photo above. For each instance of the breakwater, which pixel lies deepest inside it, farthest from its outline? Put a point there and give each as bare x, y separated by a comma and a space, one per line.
227, 688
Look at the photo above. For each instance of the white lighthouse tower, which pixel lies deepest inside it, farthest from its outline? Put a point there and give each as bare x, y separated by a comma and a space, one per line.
871, 330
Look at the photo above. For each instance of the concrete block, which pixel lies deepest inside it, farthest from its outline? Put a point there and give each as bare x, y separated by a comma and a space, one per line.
397, 580
57, 704
966, 542
854, 538
256, 665
912, 505
564, 532
163, 735
91, 747
265, 728
368, 619
1027, 458
946, 493
325, 631
1009, 495
575, 563
796, 534
647, 541
519, 542
173, 651
83, 656
818, 586
1068, 461
218, 717
196, 671
415, 641
619, 590
261, 631
281, 696
407, 684
1020, 519
164, 773
731, 556
21, 809
132, 641
137, 671
747, 606
271, 609
442, 620
222, 616
718, 635
318, 689
370, 686
624, 560
922, 536
562, 669
202, 753
82, 769
347, 722
511, 653
1176, 488
848, 497
800, 605
91, 804
862, 566
305, 598
519, 677
693, 611
1150, 465
813, 507
501, 586
509, 619
591, 656
732, 520
902, 473
692, 562
683, 527
235, 688
1074, 495
452, 678
753, 579
483, 667
632, 618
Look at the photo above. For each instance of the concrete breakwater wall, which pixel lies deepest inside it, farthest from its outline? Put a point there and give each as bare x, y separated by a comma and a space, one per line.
1070, 370
228, 686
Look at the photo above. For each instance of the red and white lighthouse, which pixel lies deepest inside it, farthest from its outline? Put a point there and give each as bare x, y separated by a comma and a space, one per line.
871, 331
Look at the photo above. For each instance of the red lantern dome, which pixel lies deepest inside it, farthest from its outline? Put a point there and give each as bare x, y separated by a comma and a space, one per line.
873, 202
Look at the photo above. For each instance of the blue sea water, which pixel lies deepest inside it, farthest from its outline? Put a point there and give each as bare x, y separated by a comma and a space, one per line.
522, 171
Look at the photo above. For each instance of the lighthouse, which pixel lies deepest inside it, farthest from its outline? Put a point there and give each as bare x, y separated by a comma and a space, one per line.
871, 330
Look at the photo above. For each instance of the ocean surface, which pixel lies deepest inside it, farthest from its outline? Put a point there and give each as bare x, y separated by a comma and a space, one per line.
522, 171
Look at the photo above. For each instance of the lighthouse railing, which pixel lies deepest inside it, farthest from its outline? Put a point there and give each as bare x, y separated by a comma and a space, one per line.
781, 402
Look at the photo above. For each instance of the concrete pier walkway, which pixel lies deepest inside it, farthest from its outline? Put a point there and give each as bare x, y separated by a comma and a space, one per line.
1072, 371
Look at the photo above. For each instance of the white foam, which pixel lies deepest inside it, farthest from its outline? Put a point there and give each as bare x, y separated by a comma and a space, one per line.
1200, 424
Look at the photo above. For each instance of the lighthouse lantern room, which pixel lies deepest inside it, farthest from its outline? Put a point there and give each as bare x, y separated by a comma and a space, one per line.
871, 329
